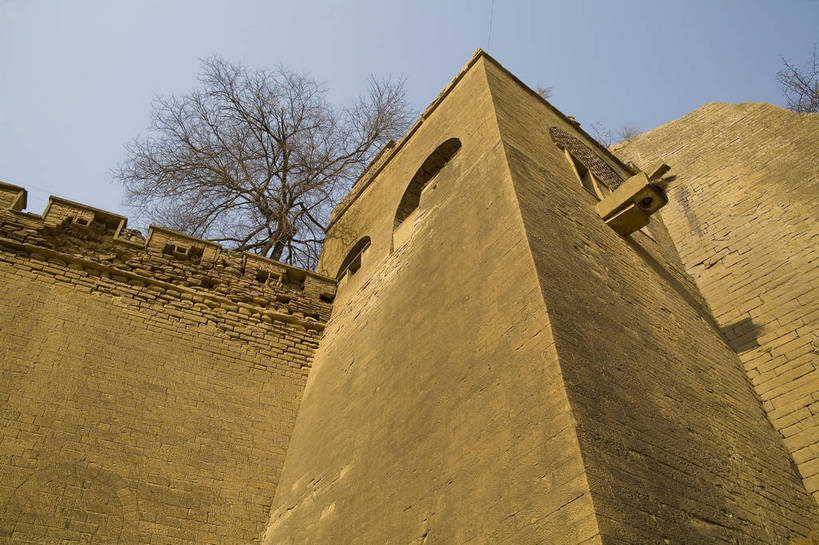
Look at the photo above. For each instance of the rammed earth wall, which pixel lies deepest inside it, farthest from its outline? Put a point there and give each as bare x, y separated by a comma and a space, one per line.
147, 389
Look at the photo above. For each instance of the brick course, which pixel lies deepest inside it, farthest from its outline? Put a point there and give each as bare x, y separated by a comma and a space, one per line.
503, 367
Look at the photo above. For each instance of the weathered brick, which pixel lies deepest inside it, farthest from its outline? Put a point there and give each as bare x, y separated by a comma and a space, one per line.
147, 395
438, 349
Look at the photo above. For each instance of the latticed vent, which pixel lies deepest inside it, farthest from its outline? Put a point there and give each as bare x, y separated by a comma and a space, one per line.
591, 160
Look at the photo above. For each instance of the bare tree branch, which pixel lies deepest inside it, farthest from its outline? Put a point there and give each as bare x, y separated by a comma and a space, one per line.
800, 87
605, 136
627, 131
257, 158
545, 92
602, 134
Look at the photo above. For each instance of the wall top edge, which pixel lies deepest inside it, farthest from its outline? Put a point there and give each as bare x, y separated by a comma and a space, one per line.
117, 223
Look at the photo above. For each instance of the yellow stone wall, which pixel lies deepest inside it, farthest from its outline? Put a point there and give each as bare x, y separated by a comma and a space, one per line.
507, 369
743, 216
500, 368
434, 412
676, 445
145, 398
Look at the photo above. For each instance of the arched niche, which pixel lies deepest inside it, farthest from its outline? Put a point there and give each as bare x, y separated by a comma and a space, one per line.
430, 167
352, 261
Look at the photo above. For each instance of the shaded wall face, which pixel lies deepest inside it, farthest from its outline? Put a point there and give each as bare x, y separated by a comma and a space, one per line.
138, 411
676, 446
743, 218
435, 411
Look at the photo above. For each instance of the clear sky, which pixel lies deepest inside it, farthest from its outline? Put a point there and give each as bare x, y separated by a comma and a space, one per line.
77, 77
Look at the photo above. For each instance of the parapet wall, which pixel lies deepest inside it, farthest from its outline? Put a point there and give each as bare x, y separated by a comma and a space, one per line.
145, 381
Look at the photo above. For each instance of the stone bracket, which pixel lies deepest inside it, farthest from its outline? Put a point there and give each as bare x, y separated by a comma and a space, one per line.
627, 208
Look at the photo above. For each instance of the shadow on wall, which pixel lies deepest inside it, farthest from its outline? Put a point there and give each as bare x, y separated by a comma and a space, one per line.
684, 199
741, 335
669, 279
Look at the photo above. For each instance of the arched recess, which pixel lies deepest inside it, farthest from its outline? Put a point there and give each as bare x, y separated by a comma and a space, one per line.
352, 261
431, 166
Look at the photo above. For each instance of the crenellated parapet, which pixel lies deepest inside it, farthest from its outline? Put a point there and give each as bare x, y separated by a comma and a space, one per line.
99, 240
162, 241
12, 196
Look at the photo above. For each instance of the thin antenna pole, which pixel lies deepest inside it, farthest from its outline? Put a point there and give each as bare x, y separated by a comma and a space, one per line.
491, 16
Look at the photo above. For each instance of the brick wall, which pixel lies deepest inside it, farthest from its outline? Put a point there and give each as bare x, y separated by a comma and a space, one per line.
504, 368
743, 218
676, 446
148, 388
435, 411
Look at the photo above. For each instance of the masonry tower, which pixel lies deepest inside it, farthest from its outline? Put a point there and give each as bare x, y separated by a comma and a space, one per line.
502, 366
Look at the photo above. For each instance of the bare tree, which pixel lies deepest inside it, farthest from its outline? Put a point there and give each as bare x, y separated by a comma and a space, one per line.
601, 133
256, 159
800, 86
628, 131
605, 136
545, 92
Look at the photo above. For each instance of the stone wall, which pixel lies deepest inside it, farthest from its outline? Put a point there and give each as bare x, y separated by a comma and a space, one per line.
502, 367
148, 388
743, 218
677, 448
435, 411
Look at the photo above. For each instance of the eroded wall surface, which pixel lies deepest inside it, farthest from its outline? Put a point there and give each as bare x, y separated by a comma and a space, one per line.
147, 392
743, 218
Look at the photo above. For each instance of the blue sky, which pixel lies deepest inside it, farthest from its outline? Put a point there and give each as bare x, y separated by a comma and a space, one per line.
77, 77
